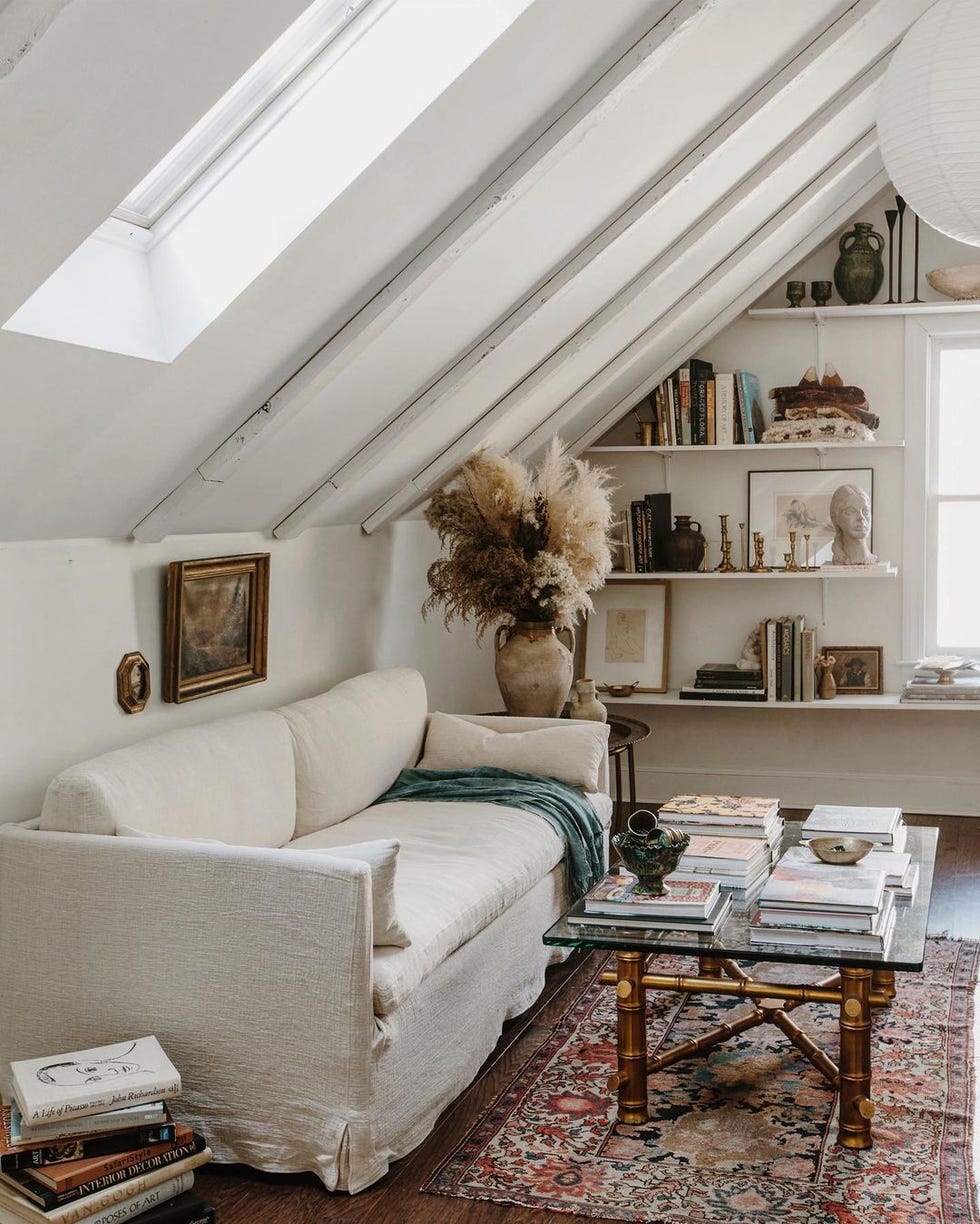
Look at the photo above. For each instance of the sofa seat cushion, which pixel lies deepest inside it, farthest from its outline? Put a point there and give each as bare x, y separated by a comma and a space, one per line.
233, 780
460, 865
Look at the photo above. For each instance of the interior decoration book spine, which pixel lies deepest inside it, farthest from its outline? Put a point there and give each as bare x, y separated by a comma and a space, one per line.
89, 1081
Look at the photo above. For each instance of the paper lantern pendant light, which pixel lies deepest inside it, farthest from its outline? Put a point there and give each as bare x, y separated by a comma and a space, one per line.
929, 118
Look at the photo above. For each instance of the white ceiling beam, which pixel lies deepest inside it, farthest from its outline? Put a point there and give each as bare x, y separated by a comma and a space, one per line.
840, 55
800, 223
22, 25
507, 182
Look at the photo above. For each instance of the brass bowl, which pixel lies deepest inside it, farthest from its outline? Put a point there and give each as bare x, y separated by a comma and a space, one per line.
619, 690
840, 849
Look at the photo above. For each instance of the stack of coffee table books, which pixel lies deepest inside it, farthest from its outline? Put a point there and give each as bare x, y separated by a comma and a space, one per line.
739, 864
726, 816
882, 825
807, 903
696, 906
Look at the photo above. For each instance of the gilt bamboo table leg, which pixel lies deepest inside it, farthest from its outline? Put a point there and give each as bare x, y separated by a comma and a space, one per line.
856, 1106
884, 980
631, 1045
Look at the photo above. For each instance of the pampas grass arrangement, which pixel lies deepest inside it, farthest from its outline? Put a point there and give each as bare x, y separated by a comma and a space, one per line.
520, 545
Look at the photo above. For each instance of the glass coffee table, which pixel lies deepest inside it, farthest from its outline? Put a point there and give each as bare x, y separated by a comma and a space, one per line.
861, 981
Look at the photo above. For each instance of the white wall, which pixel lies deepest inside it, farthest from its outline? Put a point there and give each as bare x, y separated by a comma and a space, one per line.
72, 609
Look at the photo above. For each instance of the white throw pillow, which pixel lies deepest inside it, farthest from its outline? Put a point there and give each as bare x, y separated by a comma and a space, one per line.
381, 857
571, 751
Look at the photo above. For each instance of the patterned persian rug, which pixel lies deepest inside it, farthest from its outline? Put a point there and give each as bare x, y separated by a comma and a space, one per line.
746, 1134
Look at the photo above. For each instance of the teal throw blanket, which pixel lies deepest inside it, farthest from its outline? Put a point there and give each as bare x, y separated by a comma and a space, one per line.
565, 808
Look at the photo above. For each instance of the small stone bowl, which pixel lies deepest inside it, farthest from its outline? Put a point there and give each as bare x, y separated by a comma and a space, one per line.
840, 849
619, 690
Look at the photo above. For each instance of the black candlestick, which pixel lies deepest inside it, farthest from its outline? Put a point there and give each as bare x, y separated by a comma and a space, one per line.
891, 215
915, 263
901, 225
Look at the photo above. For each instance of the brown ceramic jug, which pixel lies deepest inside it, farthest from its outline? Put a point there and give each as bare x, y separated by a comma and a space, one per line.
687, 545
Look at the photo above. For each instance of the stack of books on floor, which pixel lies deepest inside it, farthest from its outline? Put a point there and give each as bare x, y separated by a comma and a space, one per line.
725, 682
88, 1136
740, 865
885, 826
809, 904
695, 907
726, 816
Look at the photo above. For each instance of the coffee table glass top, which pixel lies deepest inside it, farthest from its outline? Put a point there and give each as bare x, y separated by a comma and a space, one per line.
906, 948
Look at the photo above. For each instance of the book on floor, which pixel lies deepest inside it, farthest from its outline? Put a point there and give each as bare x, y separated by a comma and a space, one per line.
90, 1081
619, 894
36, 1153
70, 1174
151, 1113
184, 1209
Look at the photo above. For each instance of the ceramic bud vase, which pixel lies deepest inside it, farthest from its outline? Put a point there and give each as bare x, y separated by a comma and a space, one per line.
585, 703
859, 271
828, 685
533, 668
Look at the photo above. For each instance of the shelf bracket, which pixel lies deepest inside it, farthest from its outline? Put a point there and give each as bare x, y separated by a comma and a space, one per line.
823, 603
666, 457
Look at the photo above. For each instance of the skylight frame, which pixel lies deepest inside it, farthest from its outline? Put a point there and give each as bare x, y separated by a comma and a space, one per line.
242, 105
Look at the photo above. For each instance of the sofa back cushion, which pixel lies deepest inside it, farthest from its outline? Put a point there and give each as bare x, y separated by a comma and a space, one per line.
352, 742
233, 780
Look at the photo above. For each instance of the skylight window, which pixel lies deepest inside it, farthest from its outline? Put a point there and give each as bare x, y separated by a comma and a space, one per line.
328, 98
247, 99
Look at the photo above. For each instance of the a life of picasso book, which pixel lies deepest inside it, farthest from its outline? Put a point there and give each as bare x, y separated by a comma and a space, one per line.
39, 1152
86, 1082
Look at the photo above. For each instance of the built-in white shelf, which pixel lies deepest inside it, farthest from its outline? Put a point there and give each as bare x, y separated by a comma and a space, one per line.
878, 309
741, 447
743, 575
883, 701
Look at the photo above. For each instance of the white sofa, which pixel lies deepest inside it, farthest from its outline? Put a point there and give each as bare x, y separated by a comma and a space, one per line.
250, 955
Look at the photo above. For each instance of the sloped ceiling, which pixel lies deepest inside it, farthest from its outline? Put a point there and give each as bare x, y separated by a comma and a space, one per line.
605, 188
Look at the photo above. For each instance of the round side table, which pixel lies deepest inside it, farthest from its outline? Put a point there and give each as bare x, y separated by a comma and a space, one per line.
623, 734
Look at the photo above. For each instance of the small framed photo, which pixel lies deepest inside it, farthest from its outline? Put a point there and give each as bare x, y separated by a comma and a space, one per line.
857, 668
626, 639
781, 502
133, 682
217, 627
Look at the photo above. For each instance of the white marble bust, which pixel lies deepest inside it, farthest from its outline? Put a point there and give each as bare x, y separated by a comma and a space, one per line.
850, 513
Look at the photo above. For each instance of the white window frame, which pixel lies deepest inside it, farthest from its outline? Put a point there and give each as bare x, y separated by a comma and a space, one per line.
925, 339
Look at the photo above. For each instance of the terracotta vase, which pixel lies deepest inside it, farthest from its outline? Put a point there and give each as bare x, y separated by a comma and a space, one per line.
533, 668
828, 685
585, 703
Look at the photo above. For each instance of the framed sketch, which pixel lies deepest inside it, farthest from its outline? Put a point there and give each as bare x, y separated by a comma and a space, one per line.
781, 502
857, 669
217, 627
626, 639
133, 682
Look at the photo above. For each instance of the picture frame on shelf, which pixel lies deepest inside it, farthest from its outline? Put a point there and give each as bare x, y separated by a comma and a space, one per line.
858, 669
217, 626
799, 500
625, 640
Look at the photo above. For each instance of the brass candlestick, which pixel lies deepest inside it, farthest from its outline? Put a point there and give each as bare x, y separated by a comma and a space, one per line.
726, 566
759, 544
806, 551
791, 566
741, 535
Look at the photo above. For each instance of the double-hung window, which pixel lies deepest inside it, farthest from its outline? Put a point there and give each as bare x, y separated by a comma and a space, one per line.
942, 512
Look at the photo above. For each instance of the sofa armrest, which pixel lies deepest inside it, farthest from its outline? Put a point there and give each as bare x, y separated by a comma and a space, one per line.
505, 722
252, 966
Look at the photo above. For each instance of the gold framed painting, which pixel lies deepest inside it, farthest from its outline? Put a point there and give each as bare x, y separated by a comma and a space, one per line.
858, 669
217, 627
626, 638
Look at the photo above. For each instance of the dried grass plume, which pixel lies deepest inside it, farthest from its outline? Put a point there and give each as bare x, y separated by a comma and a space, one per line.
520, 544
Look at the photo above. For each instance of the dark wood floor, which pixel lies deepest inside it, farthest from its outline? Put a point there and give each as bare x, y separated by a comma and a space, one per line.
242, 1196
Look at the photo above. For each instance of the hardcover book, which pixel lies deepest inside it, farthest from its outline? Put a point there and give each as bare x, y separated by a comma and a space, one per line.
806, 883
724, 409
877, 824
152, 1113
184, 1209
750, 398
578, 915
696, 692
619, 895
733, 809
814, 936
38, 1153
68, 1174
89, 1081
723, 852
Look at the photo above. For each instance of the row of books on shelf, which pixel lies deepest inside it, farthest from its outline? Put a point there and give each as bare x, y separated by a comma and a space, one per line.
697, 407
787, 672
88, 1136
